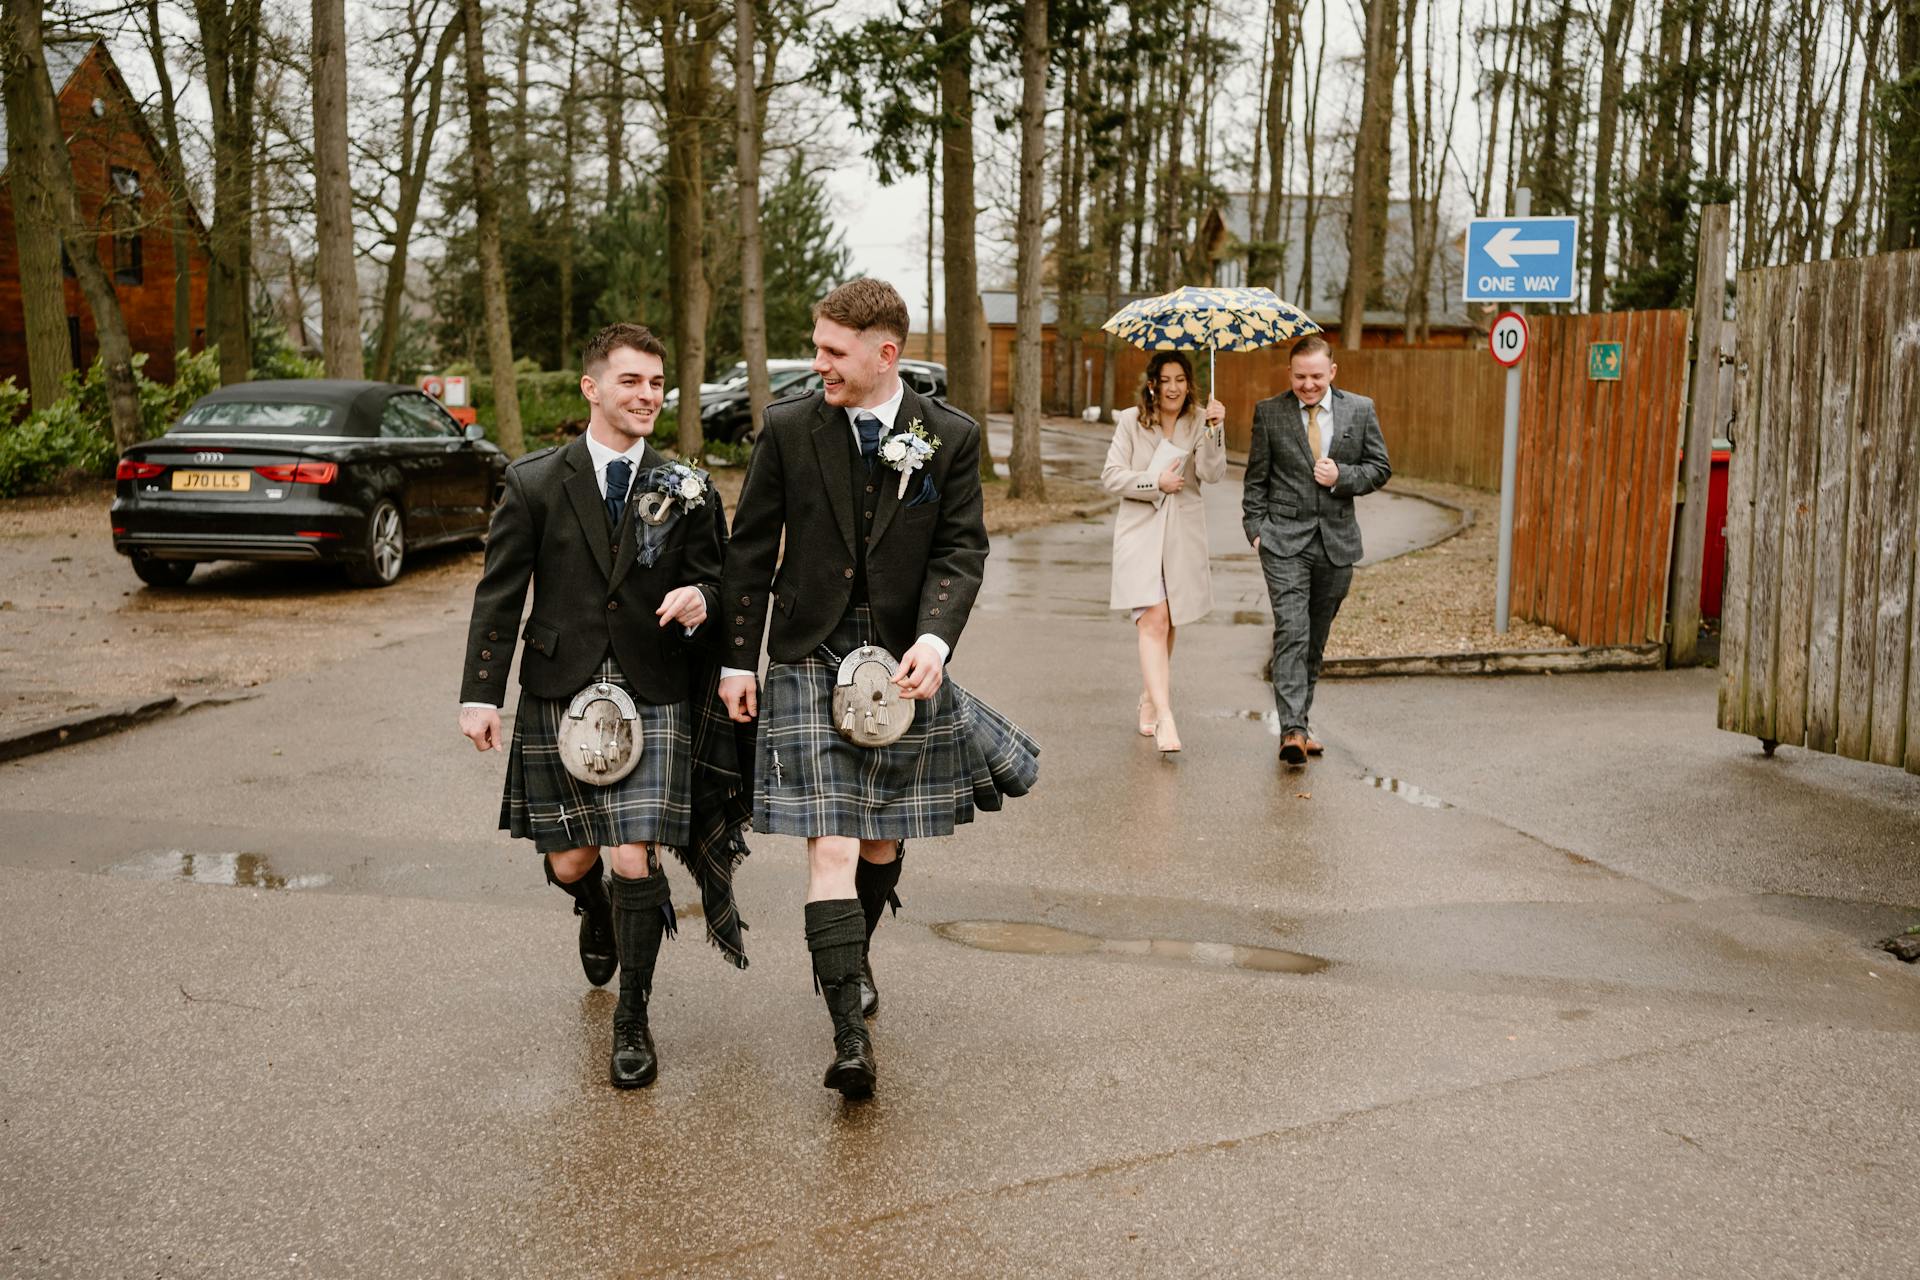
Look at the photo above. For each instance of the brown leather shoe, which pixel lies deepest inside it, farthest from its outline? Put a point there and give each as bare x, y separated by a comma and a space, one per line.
1293, 748
1314, 748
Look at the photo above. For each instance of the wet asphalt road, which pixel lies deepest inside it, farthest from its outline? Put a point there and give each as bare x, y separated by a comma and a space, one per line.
1597, 998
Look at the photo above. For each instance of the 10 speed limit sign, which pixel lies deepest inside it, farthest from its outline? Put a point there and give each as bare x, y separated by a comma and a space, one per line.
1508, 339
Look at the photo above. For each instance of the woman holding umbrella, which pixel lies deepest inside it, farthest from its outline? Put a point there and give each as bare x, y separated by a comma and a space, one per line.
1162, 453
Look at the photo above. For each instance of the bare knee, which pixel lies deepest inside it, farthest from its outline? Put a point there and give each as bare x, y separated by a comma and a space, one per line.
829, 856
879, 852
1154, 622
570, 864
631, 861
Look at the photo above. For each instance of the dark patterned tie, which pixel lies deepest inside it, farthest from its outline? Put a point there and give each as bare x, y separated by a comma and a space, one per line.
619, 480
869, 428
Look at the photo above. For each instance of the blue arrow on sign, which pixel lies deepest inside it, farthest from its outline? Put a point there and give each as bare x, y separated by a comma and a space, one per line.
1520, 260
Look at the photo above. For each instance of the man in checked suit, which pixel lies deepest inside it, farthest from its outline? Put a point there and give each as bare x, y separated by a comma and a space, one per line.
1314, 451
881, 551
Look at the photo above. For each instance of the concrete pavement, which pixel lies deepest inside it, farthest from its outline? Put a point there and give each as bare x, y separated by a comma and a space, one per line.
1599, 1000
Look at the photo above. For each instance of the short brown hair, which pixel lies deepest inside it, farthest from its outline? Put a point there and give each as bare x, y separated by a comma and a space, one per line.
615, 336
865, 304
1311, 345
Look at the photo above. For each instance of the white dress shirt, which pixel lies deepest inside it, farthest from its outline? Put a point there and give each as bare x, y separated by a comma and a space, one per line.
888, 411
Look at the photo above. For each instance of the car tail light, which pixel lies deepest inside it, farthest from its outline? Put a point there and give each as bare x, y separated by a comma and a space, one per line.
131, 470
301, 472
314, 533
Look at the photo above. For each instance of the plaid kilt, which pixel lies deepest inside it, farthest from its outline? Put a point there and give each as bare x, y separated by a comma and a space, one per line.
549, 806
813, 782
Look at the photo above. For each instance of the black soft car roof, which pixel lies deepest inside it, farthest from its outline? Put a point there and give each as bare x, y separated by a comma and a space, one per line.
363, 402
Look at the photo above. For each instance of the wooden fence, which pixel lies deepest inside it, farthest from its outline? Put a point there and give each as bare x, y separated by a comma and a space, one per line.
1594, 497
1821, 624
1440, 408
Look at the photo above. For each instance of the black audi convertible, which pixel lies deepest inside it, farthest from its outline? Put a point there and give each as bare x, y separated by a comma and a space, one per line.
359, 473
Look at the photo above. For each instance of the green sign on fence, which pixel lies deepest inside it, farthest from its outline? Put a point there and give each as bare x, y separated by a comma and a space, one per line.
1605, 360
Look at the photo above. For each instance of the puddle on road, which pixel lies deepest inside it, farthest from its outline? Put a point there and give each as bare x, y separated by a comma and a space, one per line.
1022, 938
1406, 791
235, 870
1269, 718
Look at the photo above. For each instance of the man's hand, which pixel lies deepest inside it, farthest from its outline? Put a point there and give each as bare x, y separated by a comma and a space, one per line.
921, 673
740, 695
1256, 542
684, 605
1173, 479
1326, 473
482, 727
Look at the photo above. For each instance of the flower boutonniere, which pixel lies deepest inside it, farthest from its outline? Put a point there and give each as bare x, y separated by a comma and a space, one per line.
671, 483
907, 451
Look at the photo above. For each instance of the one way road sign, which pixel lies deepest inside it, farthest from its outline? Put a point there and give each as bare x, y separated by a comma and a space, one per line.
1520, 260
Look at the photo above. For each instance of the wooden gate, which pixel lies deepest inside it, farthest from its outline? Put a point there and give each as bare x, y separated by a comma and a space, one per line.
1821, 620
1593, 503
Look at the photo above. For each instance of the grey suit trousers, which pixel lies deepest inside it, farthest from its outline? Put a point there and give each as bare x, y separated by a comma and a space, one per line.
1306, 590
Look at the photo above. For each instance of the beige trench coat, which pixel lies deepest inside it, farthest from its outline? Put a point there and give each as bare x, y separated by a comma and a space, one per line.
1159, 534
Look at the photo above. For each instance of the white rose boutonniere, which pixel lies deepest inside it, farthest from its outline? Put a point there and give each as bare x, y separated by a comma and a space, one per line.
907, 451
675, 482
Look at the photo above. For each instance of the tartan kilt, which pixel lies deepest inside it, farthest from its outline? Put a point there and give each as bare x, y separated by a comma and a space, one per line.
544, 803
813, 782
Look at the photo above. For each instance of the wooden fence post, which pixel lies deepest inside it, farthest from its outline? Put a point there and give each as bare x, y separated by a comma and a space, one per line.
1690, 535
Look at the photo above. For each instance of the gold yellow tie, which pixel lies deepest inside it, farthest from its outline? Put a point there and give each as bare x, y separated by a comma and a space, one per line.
1313, 430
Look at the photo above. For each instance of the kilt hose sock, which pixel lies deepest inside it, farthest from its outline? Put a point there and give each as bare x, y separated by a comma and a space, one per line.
837, 937
642, 915
875, 882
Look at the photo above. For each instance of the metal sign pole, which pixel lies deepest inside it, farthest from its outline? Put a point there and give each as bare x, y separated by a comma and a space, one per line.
1509, 463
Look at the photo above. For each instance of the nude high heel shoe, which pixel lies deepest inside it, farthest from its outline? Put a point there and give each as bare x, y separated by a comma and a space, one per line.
1146, 716
1165, 736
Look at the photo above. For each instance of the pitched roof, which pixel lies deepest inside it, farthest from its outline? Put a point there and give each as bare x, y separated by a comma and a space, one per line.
1329, 252
63, 59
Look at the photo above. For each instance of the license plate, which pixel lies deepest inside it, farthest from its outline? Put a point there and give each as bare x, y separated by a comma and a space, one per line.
213, 481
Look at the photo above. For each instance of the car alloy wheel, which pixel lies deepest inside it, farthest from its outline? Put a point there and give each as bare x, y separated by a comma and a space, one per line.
386, 547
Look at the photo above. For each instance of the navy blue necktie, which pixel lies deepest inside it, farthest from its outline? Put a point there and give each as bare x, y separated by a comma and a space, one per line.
869, 428
619, 480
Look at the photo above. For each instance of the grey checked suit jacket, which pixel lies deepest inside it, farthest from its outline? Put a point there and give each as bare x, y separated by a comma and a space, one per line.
1281, 505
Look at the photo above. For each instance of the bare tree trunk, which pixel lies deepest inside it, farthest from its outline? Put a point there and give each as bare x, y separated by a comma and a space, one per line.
333, 195
493, 275
230, 51
36, 217
616, 118
38, 147
415, 155
753, 284
687, 31
1023, 465
1613, 59
1264, 268
180, 225
1170, 221
933, 231
1069, 252
1310, 207
967, 370
1903, 134
1372, 162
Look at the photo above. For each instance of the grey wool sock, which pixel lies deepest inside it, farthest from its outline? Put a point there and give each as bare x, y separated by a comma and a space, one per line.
642, 915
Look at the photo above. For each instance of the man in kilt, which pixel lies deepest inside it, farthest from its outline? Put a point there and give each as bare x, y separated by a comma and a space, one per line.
616, 599
876, 490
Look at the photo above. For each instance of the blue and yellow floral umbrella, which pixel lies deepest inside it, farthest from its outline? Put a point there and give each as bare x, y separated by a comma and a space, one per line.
1190, 319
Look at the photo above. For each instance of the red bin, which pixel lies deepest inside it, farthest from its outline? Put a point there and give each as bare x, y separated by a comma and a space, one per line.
1714, 573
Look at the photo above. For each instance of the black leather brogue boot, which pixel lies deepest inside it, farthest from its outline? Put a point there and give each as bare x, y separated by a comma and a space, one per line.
598, 956
836, 934
875, 883
642, 916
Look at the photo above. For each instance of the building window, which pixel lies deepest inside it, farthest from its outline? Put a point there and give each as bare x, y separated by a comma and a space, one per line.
129, 265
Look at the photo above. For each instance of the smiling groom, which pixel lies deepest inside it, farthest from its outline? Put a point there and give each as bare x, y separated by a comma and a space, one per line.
876, 490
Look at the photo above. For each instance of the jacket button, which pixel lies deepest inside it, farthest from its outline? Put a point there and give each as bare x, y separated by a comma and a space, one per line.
869, 515
739, 619
480, 675
486, 654
493, 635
746, 599
613, 604
935, 611
946, 582
739, 641
943, 595
848, 573
870, 489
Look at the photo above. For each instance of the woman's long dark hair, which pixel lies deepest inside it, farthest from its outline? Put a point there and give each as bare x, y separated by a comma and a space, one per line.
1149, 406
